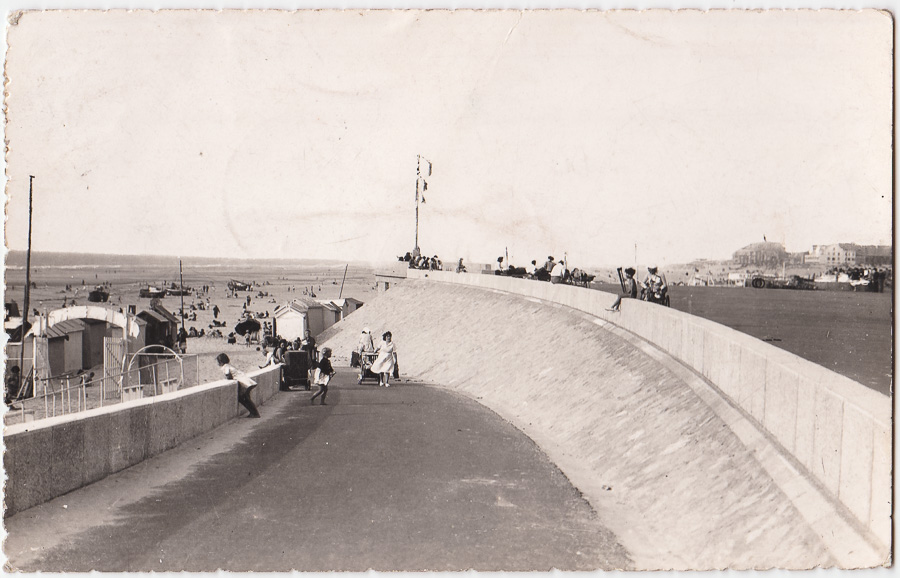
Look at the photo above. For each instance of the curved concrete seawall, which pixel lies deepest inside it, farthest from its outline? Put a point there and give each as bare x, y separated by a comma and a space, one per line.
665, 472
836, 428
51, 457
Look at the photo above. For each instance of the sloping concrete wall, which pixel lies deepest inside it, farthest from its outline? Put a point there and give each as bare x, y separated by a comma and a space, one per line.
48, 458
836, 428
675, 484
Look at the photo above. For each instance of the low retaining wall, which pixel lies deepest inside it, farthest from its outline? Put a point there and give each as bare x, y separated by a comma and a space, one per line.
48, 458
836, 428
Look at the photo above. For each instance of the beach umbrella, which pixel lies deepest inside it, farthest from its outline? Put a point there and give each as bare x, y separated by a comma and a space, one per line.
247, 326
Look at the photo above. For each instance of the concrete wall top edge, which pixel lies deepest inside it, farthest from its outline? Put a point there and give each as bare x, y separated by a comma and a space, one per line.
263, 370
870, 401
49, 422
108, 409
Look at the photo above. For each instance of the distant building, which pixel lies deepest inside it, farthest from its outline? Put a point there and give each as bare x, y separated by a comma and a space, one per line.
384, 278
797, 258
851, 254
761, 254
874, 254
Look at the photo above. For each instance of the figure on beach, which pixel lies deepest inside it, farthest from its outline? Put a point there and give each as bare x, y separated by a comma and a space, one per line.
182, 340
245, 384
387, 359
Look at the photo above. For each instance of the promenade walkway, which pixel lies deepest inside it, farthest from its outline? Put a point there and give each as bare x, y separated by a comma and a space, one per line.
404, 478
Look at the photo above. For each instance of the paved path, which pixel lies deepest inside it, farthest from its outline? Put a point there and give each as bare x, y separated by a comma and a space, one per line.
405, 478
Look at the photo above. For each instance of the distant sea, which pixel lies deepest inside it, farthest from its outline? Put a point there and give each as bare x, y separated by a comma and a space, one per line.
15, 260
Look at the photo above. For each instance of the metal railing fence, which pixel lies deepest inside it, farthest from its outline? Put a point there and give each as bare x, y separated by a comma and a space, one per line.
149, 375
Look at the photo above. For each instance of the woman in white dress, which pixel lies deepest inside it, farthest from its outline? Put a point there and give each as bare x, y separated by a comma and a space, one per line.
387, 358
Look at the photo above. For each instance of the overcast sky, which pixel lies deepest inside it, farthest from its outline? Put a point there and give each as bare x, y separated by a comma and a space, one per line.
276, 134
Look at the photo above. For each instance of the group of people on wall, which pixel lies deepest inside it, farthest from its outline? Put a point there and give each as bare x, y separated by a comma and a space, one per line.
416, 260
654, 288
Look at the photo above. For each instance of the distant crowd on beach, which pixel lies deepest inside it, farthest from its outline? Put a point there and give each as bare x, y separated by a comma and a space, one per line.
872, 277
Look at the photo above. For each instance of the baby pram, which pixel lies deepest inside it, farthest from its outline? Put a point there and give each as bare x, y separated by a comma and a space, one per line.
296, 369
366, 359
662, 298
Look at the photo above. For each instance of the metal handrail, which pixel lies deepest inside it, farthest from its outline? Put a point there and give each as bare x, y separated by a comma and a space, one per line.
59, 401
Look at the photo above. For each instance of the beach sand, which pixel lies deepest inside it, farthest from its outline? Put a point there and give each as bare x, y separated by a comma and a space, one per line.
282, 282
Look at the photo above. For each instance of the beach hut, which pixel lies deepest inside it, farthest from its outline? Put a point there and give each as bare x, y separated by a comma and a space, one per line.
347, 305
95, 332
332, 313
65, 342
293, 318
162, 325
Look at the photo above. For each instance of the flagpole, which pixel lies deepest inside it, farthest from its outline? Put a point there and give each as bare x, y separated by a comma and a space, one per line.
341, 294
27, 304
181, 281
418, 174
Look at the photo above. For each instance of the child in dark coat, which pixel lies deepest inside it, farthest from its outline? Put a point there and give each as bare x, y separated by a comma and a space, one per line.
324, 373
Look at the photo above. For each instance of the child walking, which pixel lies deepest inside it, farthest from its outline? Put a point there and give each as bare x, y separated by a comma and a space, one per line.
245, 384
324, 373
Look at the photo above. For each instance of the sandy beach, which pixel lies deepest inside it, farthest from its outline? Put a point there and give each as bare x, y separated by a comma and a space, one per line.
279, 282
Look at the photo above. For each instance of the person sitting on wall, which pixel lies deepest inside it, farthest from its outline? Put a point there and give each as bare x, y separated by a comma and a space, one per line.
630, 290
548, 266
460, 268
558, 273
655, 286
